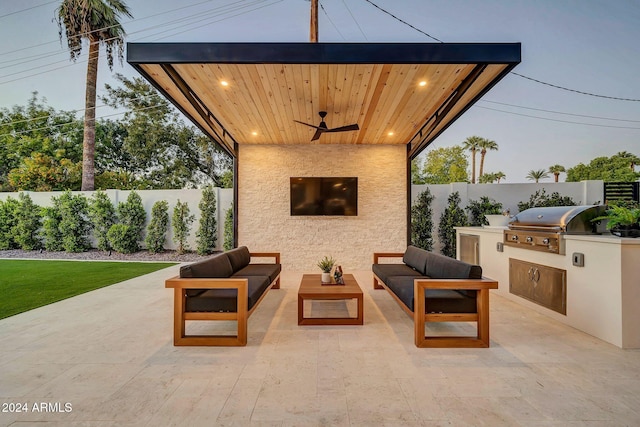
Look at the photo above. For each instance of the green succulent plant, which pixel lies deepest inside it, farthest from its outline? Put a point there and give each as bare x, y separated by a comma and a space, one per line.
326, 264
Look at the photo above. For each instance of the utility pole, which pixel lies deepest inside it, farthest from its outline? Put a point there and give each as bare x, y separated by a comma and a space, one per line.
313, 33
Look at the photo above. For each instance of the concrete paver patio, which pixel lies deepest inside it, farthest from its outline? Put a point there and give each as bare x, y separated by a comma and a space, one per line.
109, 353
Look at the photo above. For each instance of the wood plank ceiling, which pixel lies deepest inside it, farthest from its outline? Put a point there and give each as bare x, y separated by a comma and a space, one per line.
258, 103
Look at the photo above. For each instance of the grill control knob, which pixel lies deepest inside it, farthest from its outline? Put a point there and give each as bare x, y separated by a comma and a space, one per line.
529, 239
514, 238
545, 241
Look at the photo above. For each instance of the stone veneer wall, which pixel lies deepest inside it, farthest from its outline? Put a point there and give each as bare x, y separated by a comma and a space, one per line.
265, 223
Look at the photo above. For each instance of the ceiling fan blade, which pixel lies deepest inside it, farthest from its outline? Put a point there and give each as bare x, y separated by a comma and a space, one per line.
307, 124
319, 132
344, 128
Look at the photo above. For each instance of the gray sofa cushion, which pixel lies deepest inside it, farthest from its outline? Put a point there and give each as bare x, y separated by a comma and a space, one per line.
415, 258
436, 300
384, 271
271, 270
225, 300
239, 258
216, 267
442, 267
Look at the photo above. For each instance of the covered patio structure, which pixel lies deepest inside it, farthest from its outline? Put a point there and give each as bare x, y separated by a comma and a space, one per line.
251, 97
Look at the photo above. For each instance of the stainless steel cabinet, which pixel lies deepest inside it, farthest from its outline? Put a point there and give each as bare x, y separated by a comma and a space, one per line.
544, 285
470, 248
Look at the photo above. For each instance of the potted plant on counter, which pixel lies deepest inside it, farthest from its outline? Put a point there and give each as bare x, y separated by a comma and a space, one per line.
326, 264
622, 221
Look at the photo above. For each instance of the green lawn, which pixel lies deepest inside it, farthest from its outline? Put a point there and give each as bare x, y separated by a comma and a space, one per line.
28, 284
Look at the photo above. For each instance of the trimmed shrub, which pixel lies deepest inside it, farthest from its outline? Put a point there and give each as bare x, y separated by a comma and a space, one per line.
541, 199
453, 216
228, 229
157, 229
123, 238
207, 234
28, 223
181, 225
479, 208
102, 215
74, 223
51, 218
132, 214
422, 222
8, 220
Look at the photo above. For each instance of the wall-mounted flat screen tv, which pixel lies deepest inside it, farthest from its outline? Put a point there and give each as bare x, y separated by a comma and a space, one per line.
336, 196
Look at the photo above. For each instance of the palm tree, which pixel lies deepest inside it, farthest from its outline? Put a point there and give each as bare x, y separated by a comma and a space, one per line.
472, 143
555, 170
500, 175
484, 145
632, 158
97, 21
537, 175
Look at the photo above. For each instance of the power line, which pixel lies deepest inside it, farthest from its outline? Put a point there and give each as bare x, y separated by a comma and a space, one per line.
557, 120
404, 22
574, 90
27, 9
329, 18
560, 112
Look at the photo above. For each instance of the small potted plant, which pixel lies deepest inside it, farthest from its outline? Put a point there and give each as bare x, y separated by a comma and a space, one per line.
326, 264
622, 221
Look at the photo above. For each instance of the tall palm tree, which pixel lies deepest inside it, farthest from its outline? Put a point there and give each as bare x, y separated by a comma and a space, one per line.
484, 145
632, 158
499, 175
556, 170
97, 21
472, 143
537, 175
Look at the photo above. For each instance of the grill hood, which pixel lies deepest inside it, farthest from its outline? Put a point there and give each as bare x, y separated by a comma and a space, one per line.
563, 219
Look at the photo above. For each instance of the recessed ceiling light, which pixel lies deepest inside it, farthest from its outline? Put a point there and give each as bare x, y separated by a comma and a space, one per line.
422, 83
254, 133
224, 83
390, 133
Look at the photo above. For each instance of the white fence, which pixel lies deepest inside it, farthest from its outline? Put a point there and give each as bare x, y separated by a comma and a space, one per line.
584, 192
224, 199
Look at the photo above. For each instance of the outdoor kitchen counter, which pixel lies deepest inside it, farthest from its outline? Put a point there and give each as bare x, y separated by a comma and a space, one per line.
602, 296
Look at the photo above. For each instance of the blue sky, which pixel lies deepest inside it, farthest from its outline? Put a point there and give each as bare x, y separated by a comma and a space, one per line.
586, 45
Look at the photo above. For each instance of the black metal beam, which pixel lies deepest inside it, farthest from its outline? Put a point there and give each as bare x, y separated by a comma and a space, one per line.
323, 53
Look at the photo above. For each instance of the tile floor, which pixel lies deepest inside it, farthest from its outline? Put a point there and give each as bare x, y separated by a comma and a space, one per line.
109, 354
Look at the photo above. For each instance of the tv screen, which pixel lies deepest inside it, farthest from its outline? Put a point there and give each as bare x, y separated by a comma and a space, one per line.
324, 196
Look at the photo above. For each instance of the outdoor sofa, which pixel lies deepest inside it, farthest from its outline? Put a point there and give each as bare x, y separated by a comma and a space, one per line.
435, 288
226, 286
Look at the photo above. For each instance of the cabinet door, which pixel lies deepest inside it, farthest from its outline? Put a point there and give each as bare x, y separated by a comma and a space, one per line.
544, 285
470, 248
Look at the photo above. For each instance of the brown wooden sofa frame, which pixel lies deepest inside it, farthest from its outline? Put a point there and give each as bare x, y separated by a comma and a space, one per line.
421, 316
180, 285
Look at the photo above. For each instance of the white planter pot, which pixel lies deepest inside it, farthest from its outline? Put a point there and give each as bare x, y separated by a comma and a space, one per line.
326, 278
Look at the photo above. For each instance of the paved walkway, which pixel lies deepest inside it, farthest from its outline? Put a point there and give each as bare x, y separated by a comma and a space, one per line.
108, 354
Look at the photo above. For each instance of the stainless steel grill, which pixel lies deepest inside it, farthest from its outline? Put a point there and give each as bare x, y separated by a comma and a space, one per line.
541, 229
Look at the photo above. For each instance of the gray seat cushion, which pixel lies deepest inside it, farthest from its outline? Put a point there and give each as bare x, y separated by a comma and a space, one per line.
225, 300
436, 300
239, 258
442, 267
384, 271
271, 270
215, 267
416, 258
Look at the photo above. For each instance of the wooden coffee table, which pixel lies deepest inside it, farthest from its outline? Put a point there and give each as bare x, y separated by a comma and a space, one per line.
312, 289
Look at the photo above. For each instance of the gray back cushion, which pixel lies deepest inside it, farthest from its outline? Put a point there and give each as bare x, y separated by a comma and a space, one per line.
442, 267
239, 258
415, 258
217, 266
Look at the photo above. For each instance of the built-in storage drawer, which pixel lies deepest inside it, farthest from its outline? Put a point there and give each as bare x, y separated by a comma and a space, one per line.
543, 285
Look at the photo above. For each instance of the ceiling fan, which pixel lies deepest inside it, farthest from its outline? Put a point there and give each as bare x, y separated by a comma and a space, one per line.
322, 127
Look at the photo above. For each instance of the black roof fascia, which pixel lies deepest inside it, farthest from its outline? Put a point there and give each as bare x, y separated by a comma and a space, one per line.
323, 53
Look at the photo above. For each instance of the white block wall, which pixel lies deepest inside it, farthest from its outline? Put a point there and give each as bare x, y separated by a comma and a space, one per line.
265, 223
